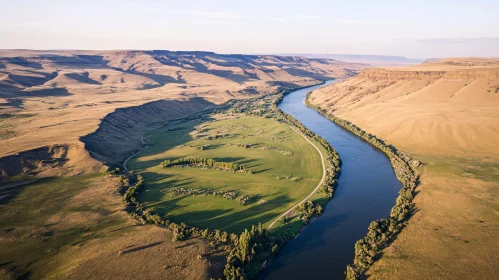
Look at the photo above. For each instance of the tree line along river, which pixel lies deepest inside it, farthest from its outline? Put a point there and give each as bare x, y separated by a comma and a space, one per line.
367, 190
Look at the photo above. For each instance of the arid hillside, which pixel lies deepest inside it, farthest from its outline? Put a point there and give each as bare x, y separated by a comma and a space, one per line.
56, 97
450, 107
444, 113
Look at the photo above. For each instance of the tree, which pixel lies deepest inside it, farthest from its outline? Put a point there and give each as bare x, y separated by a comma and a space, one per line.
244, 246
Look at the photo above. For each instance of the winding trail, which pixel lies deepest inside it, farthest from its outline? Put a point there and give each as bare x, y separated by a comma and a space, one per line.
316, 188
130, 157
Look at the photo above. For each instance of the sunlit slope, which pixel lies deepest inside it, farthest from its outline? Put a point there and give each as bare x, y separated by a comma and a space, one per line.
437, 108
445, 114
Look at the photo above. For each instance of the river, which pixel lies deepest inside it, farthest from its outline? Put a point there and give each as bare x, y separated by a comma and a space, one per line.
367, 190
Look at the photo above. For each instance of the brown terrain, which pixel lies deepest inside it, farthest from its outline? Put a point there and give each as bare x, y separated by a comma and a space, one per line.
63, 114
444, 113
57, 97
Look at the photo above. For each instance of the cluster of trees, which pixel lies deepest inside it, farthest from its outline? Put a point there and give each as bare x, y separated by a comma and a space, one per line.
134, 182
329, 186
381, 232
253, 106
308, 209
230, 195
283, 220
294, 179
110, 171
213, 137
247, 146
286, 153
205, 162
251, 242
285, 176
243, 200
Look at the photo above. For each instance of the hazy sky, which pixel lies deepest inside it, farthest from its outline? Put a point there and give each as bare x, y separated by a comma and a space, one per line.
417, 29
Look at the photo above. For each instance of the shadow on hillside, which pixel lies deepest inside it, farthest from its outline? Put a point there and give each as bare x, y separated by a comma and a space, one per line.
21, 61
141, 247
179, 60
223, 218
82, 78
119, 133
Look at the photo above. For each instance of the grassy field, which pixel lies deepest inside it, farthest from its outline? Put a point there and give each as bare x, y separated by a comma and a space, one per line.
454, 233
289, 155
75, 227
41, 218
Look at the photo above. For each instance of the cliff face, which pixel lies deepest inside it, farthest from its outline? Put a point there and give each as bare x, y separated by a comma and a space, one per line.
464, 74
441, 108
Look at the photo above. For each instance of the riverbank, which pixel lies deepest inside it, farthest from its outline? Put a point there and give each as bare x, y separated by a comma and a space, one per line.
366, 191
316, 188
447, 118
265, 249
381, 232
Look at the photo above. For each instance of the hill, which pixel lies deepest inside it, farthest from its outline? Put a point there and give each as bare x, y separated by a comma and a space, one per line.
444, 113
56, 97
374, 60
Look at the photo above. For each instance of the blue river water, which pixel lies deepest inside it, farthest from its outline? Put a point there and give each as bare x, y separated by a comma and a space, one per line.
367, 190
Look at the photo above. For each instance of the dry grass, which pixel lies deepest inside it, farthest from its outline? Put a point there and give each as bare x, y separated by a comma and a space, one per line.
446, 115
75, 228
454, 234
67, 93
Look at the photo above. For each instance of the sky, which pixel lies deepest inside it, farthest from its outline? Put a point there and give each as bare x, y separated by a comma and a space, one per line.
415, 29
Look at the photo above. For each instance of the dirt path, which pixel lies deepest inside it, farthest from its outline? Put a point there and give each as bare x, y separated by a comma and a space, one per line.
316, 188
141, 150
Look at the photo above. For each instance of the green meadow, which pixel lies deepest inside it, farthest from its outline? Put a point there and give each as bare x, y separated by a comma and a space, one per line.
271, 150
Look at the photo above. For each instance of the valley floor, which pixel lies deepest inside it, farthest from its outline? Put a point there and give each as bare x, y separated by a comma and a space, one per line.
284, 167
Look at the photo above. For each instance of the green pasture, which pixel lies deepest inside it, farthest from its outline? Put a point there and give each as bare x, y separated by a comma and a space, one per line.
271, 196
